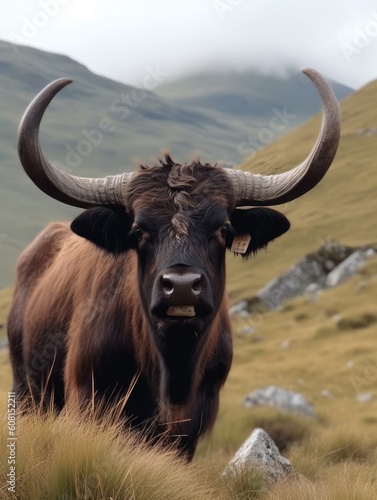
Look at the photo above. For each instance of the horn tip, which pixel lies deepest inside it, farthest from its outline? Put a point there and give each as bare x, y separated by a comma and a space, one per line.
62, 82
309, 71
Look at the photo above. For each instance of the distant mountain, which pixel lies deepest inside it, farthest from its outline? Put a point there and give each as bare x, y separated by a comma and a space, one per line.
250, 96
218, 123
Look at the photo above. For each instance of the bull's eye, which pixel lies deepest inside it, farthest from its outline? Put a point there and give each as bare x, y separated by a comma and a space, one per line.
224, 230
138, 234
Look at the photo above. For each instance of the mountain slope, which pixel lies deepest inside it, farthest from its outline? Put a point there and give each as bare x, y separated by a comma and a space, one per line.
342, 206
250, 95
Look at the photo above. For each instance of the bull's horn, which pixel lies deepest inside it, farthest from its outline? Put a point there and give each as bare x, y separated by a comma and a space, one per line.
69, 189
256, 189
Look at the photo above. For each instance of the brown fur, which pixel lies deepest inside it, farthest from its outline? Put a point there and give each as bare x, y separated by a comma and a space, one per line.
77, 311
89, 326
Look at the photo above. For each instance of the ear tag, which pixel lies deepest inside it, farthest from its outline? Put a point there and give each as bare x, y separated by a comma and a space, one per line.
241, 243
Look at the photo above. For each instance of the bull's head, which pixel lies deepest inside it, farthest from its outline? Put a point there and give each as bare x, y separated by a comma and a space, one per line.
180, 219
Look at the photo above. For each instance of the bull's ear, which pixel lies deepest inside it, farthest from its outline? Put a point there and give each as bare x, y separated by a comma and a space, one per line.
262, 224
105, 227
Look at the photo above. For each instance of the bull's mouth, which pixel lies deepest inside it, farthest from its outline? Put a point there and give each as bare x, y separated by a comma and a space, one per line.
183, 311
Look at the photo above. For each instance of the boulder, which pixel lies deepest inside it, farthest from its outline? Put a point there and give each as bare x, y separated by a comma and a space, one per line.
280, 398
241, 308
260, 452
349, 266
327, 267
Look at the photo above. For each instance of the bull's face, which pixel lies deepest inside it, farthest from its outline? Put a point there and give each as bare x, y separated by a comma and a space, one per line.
180, 220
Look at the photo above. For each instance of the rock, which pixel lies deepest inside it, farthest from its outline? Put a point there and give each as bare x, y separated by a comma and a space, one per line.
260, 452
312, 288
308, 276
349, 266
279, 398
239, 308
364, 397
331, 264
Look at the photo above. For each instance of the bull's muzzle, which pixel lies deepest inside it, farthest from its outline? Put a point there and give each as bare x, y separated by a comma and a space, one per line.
181, 293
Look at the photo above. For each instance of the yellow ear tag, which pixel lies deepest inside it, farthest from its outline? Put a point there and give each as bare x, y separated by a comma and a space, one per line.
240, 243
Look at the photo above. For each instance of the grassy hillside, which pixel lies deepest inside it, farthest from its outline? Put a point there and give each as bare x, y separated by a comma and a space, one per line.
342, 206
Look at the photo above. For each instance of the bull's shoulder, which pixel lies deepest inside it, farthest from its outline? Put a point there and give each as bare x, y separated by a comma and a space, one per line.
42, 250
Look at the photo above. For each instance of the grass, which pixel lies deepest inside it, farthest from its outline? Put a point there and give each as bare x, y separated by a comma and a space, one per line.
64, 458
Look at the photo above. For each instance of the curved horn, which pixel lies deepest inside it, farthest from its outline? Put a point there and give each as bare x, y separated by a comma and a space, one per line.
77, 191
256, 189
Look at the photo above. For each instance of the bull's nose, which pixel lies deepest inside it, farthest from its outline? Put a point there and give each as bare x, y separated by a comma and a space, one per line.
181, 291
181, 287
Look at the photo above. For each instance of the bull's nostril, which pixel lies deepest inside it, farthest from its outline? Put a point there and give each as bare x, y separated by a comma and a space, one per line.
167, 286
197, 287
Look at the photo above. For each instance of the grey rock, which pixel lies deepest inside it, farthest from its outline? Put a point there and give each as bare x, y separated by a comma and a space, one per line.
260, 452
239, 308
307, 276
331, 264
349, 266
279, 398
312, 288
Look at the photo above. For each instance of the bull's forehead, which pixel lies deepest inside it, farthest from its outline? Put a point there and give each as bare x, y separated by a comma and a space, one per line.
181, 194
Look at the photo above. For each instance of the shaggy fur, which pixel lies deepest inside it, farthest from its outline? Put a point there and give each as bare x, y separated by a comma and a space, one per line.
81, 331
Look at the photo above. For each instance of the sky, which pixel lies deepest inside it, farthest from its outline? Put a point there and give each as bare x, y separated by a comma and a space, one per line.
126, 40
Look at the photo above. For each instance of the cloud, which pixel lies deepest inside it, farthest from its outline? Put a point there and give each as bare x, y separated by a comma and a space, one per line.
120, 39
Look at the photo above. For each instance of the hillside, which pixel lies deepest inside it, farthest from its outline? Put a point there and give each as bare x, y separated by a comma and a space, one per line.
249, 96
342, 206
140, 130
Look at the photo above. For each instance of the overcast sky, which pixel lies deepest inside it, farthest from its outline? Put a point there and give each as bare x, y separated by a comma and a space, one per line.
121, 39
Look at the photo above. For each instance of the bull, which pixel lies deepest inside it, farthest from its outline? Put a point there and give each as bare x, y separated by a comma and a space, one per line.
126, 306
